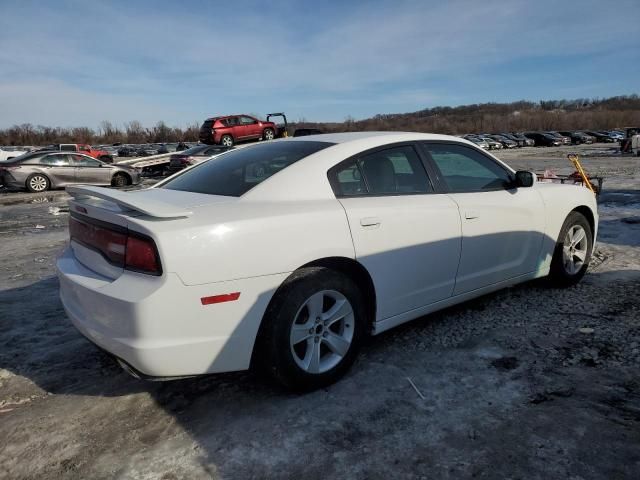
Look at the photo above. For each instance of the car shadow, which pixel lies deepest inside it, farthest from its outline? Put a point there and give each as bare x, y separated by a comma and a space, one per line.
243, 426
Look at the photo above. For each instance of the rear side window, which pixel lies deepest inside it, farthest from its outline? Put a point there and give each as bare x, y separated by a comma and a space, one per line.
394, 171
235, 173
467, 170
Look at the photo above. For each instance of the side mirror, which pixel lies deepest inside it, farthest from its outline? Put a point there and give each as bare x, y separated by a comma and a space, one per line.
523, 179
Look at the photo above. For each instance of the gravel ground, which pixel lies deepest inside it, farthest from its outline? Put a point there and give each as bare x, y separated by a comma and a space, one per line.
530, 382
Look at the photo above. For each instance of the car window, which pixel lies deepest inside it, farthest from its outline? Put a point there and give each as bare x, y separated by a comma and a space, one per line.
397, 170
238, 171
68, 148
83, 161
467, 170
247, 120
232, 121
349, 181
55, 160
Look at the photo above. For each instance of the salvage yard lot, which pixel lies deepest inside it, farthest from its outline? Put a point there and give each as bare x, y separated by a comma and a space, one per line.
530, 382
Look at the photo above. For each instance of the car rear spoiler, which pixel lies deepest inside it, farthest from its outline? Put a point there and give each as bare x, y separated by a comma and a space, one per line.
129, 200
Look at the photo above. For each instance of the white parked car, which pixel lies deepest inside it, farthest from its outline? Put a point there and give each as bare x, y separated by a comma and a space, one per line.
7, 153
286, 254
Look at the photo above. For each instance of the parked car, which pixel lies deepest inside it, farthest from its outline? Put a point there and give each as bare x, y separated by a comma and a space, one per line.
127, 151
285, 255
504, 141
577, 137
565, 140
478, 141
528, 142
231, 129
7, 153
83, 148
599, 137
302, 132
146, 151
493, 144
543, 139
617, 135
520, 142
194, 155
162, 149
43, 170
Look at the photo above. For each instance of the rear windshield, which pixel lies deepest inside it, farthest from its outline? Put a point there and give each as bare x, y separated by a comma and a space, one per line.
238, 171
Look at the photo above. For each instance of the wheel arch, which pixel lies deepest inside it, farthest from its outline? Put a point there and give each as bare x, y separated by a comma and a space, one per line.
588, 213
52, 184
344, 265
122, 174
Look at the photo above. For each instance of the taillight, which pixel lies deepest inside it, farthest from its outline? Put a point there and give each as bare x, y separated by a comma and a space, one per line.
116, 244
142, 255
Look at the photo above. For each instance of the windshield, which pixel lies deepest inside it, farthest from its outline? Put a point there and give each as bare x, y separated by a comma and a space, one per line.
236, 172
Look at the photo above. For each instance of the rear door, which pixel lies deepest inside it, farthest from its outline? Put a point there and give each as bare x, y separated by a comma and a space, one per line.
58, 167
406, 235
90, 170
502, 226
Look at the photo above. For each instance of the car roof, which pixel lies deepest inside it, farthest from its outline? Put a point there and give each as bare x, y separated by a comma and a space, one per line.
294, 181
340, 138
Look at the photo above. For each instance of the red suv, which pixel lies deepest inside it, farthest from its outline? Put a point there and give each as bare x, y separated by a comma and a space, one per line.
235, 128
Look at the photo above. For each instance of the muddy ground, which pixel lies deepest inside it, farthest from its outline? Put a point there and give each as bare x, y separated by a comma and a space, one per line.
530, 382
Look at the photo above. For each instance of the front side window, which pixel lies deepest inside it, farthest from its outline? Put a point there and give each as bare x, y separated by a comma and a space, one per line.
394, 171
466, 170
235, 173
55, 160
247, 120
84, 161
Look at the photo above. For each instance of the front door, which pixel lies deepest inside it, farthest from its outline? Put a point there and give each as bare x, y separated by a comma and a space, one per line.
405, 235
502, 226
90, 170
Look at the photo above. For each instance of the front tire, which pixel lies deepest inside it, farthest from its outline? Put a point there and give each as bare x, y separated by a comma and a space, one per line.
37, 183
573, 251
227, 140
268, 134
120, 180
312, 329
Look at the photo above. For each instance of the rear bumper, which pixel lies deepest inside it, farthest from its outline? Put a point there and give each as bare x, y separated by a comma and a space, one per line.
158, 325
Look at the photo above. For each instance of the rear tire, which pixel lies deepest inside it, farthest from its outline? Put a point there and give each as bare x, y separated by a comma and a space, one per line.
573, 251
312, 330
37, 182
120, 180
227, 140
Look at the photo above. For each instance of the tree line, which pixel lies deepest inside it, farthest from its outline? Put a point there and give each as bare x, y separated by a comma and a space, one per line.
592, 114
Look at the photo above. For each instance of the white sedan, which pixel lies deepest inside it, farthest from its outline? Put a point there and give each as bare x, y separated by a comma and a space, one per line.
285, 254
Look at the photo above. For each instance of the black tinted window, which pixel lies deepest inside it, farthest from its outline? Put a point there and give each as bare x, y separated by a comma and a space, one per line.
467, 170
396, 170
238, 171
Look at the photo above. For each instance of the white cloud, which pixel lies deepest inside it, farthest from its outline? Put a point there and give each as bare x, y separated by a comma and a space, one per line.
90, 61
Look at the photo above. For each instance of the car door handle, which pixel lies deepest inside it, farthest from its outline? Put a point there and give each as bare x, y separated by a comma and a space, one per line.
370, 221
471, 214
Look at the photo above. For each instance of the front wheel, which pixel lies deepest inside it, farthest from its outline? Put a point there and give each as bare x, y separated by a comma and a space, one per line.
119, 180
227, 141
38, 183
313, 329
268, 134
573, 251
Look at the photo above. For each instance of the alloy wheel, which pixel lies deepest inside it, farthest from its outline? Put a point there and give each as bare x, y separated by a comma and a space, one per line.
322, 331
38, 183
574, 249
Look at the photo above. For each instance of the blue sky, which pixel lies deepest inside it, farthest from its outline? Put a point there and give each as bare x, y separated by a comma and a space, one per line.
76, 63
